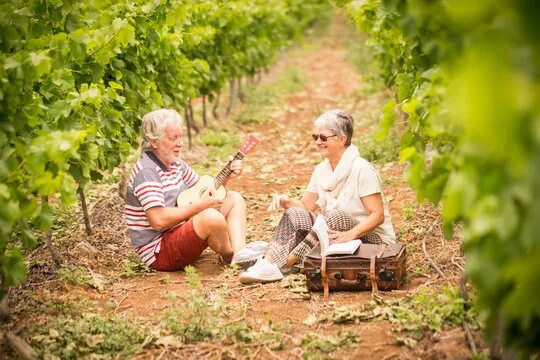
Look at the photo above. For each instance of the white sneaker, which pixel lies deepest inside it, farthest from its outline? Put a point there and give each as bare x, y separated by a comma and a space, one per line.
247, 256
261, 272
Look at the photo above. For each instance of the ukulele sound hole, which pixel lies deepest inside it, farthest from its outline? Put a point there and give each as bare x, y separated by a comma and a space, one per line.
206, 193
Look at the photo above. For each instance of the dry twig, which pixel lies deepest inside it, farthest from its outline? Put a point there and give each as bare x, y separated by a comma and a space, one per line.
234, 321
470, 339
20, 346
162, 353
392, 356
431, 261
431, 282
271, 353
5, 314
254, 355
456, 264
119, 303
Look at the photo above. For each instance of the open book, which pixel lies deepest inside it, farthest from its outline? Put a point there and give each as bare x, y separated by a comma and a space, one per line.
321, 229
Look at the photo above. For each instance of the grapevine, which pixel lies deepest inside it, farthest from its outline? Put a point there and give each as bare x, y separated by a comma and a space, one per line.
465, 76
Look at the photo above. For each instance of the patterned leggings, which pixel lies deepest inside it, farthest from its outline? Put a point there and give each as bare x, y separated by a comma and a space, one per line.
291, 235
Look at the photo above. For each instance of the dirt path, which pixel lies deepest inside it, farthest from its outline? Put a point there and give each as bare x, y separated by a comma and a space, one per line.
283, 162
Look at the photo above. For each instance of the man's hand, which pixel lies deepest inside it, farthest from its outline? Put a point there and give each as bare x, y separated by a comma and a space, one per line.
341, 236
236, 167
207, 203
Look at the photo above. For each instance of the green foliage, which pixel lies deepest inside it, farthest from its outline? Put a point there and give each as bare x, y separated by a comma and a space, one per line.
296, 283
467, 108
133, 267
198, 318
362, 57
243, 334
80, 276
414, 315
57, 307
346, 313
13, 268
372, 145
222, 144
212, 138
375, 150
88, 336
408, 212
76, 78
426, 312
62, 217
318, 346
264, 99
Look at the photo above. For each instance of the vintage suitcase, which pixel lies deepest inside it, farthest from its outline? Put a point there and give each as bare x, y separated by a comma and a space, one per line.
370, 267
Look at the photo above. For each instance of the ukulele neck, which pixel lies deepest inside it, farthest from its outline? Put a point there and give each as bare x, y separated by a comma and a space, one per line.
224, 174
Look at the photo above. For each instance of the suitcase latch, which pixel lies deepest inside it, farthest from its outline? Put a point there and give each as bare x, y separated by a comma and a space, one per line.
387, 275
361, 277
314, 275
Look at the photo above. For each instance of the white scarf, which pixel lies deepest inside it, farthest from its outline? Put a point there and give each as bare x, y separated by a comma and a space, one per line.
332, 181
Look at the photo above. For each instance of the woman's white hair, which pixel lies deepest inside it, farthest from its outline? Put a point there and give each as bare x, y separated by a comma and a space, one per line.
338, 121
154, 124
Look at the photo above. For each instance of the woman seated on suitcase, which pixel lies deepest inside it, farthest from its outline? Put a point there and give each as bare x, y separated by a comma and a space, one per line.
344, 187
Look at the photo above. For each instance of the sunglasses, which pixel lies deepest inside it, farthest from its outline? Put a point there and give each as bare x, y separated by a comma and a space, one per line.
321, 136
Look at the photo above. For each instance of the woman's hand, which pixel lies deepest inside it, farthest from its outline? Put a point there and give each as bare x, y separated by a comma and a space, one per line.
337, 237
278, 200
284, 201
236, 168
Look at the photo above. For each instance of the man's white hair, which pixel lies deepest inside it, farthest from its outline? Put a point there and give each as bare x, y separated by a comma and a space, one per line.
154, 124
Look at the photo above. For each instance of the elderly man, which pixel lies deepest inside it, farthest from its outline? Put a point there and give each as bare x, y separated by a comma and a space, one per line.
167, 237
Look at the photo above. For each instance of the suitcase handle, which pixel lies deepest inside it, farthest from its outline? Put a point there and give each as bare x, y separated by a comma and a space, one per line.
360, 277
350, 282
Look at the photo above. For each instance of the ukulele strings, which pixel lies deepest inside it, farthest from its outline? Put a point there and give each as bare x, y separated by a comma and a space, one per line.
226, 171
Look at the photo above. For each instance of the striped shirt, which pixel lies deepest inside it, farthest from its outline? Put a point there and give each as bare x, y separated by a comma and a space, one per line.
152, 184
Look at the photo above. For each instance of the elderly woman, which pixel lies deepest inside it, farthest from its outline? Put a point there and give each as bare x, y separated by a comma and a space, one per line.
344, 187
165, 236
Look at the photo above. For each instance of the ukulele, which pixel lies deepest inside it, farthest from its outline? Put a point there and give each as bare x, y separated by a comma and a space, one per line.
212, 186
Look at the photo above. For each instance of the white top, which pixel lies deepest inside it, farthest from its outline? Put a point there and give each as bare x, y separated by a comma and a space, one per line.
362, 180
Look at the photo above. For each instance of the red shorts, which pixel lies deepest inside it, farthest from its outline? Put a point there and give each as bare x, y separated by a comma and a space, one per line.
179, 247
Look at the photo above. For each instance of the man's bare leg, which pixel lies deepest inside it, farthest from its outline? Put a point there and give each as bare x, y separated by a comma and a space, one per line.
211, 225
234, 209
